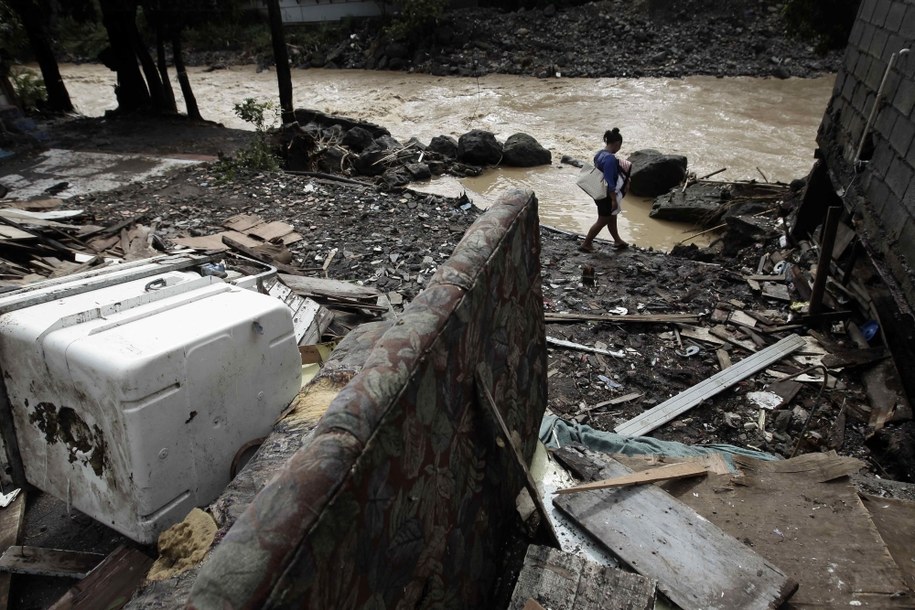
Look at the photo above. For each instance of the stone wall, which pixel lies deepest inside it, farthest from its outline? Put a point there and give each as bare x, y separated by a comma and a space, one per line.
880, 191
404, 497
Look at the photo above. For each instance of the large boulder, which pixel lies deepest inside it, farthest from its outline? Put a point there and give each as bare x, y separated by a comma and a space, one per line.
479, 147
522, 150
445, 146
357, 138
654, 173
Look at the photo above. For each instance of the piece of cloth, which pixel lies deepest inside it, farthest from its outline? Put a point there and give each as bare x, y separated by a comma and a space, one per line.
607, 162
556, 432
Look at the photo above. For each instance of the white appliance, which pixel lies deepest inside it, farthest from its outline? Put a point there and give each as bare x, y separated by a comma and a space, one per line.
132, 390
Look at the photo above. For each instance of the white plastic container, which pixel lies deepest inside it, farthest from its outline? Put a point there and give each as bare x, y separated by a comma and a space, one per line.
131, 401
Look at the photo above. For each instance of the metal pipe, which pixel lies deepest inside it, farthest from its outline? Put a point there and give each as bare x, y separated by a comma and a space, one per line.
873, 114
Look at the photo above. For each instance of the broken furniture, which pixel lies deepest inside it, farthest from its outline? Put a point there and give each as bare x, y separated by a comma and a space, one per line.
132, 387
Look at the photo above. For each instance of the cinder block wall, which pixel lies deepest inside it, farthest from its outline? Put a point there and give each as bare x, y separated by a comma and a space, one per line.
403, 498
882, 194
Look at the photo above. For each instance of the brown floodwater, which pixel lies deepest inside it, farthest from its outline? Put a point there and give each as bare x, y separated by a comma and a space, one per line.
751, 126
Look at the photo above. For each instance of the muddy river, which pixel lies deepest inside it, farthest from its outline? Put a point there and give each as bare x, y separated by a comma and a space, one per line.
751, 126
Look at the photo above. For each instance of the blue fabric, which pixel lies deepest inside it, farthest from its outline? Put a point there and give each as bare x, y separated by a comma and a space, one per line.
555, 432
606, 162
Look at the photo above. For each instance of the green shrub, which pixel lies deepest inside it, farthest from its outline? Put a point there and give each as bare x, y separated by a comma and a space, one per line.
29, 86
259, 156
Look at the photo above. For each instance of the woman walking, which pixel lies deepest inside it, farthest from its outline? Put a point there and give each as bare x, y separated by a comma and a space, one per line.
608, 208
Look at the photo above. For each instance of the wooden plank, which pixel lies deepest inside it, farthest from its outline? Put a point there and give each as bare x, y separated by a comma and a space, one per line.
316, 286
12, 519
686, 400
697, 565
556, 579
581, 348
242, 222
634, 319
697, 333
271, 230
819, 533
489, 404
651, 475
48, 562
214, 242
893, 519
724, 359
614, 401
854, 357
712, 462
722, 333
819, 467
110, 585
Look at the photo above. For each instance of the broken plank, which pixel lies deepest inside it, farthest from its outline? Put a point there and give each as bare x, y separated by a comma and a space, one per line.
110, 585
722, 333
271, 230
893, 519
713, 463
697, 565
12, 519
724, 359
661, 473
556, 579
615, 401
668, 410
634, 319
775, 291
697, 333
259, 256
581, 348
854, 357
48, 562
315, 286
214, 242
490, 405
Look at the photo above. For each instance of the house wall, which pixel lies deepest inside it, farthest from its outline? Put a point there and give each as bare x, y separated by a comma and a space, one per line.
881, 192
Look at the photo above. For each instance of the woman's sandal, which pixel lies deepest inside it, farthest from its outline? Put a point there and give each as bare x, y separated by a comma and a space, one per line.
621, 246
586, 249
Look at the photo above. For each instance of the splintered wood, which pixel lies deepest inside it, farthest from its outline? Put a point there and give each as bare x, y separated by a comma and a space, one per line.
555, 579
697, 565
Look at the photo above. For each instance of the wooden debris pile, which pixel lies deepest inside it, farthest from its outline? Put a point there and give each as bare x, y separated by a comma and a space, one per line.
756, 535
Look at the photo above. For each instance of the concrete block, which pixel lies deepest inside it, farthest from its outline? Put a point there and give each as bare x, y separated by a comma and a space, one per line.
903, 133
883, 156
854, 38
848, 88
863, 99
899, 176
880, 12
867, 36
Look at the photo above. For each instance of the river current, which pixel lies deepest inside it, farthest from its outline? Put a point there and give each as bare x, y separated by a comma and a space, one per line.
754, 127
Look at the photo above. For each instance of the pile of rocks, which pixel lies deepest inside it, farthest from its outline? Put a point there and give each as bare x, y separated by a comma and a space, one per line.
317, 142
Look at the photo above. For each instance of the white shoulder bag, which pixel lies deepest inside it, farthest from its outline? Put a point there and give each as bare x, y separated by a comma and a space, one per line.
591, 180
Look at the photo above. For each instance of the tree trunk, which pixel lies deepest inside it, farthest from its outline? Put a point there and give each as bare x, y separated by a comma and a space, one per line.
163, 67
36, 28
281, 59
190, 102
119, 21
153, 82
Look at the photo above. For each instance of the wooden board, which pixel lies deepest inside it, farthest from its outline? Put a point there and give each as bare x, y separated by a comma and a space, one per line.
214, 242
12, 519
893, 519
667, 472
271, 230
669, 409
48, 562
820, 533
818, 467
315, 286
555, 579
697, 565
711, 462
110, 585
634, 319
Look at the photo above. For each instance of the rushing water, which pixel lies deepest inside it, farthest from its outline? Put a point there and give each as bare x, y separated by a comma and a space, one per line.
750, 126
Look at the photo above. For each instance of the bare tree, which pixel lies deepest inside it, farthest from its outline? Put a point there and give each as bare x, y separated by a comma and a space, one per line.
35, 18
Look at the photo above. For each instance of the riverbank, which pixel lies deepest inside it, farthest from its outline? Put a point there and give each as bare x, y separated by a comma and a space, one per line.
612, 38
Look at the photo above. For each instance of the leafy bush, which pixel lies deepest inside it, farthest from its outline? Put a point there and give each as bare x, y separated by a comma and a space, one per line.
29, 86
259, 156
827, 24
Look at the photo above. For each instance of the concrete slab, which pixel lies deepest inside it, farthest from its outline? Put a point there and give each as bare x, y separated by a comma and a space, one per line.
84, 172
